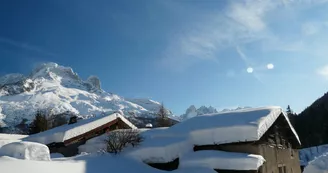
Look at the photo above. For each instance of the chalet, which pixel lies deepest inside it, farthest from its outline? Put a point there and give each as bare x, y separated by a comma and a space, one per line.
254, 140
67, 138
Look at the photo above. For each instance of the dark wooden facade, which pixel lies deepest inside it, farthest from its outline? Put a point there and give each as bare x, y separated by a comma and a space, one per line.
70, 147
170, 166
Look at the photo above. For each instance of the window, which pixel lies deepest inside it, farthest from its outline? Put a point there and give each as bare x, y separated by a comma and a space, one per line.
291, 150
282, 169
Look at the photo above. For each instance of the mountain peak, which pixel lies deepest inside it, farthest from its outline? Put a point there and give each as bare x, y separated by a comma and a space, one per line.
53, 71
192, 111
94, 81
59, 89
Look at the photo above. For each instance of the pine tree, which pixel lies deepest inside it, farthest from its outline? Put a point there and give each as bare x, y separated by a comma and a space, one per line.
162, 117
289, 110
291, 115
40, 123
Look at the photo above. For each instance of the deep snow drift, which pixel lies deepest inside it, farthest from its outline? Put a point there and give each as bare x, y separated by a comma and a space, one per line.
59, 89
87, 164
26, 151
222, 160
309, 154
318, 165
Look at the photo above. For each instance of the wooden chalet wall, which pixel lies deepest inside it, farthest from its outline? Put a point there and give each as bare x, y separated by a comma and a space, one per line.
70, 147
279, 147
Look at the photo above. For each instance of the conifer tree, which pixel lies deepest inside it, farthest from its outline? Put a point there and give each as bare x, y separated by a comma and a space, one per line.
40, 123
162, 117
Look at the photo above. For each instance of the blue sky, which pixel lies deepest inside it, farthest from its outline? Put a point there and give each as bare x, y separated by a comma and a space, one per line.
219, 53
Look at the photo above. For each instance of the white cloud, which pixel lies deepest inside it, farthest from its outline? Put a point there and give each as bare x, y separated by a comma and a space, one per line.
250, 14
270, 66
239, 23
323, 71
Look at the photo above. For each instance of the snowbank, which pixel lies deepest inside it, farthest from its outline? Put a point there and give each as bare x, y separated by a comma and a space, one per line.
94, 145
194, 170
11, 165
157, 147
221, 160
98, 143
10, 138
308, 154
5, 141
26, 150
87, 164
319, 165
228, 127
160, 149
68, 131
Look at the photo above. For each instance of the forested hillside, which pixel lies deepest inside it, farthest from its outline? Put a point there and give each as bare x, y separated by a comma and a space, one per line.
312, 124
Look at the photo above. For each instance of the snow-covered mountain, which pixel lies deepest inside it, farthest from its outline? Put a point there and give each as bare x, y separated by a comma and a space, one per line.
59, 89
192, 111
235, 109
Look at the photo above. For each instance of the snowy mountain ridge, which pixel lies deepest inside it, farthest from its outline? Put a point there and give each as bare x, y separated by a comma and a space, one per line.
192, 111
59, 89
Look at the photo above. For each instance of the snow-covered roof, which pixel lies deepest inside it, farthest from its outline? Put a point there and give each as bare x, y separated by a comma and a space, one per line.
236, 126
221, 160
160, 149
11, 136
69, 131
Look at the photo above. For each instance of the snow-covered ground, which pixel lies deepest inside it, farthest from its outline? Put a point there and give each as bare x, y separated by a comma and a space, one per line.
309, 154
318, 165
87, 164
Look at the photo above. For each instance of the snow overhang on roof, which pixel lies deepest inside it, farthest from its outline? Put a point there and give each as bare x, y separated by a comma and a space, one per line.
221, 160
